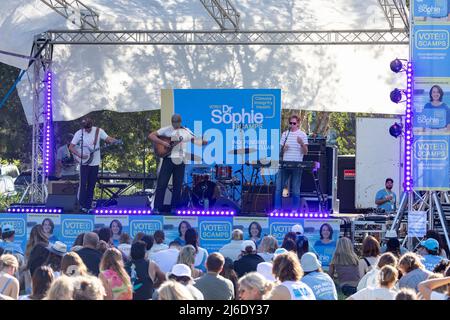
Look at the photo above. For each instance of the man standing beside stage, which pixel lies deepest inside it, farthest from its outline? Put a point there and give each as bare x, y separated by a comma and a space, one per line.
294, 145
66, 166
385, 198
83, 145
173, 164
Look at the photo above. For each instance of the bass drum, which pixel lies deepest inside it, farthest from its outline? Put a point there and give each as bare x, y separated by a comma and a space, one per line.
205, 190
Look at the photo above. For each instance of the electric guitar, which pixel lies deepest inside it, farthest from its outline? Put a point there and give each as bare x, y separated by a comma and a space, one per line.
88, 152
163, 151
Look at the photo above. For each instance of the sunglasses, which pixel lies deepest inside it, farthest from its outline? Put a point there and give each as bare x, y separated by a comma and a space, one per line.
293, 123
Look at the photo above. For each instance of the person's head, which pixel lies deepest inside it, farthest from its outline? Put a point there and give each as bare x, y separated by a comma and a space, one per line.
183, 227
90, 240
265, 269
112, 260
176, 121
429, 246
433, 234
181, 273
310, 263
105, 234
116, 227
393, 245
148, 239
406, 294
326, 232
215, 262
125, 238
87, 123
289, 245
187, 256
41, 281
290, 235
388, 276
409, 262
248, 247
79, 240
294, 122
73, 265
253, 286
286, 267
56, 251
175, 245
88, 288
37, 235
138, 250
268, 245
344, 253
436, 93
228, 270
441, 266
389, 183
159, 236
370, 247
191, 237
61, 289
102, 246
48, 226
237, 235
138, 237
254, 230
172, 290
387, 259
297, 229
9, 264
67, 138
8, 232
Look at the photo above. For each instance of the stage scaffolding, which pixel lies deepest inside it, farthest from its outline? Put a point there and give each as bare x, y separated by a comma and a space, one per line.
222, 12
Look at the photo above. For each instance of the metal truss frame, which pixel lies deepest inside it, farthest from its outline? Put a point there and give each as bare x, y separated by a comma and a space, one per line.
395, 13
223, 12
76, 12
139, 37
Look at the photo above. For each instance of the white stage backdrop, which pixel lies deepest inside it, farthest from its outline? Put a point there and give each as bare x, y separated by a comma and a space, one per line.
129, 78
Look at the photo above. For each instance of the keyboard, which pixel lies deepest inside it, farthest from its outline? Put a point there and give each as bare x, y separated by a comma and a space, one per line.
125, 176
299, 164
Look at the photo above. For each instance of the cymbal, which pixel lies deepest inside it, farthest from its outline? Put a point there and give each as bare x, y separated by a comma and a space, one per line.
193, 157
242, 151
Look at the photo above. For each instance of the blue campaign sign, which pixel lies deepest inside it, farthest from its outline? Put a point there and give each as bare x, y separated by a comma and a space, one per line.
72, 225
278, 227
253, 227
117, 223
175, 226
322, 235
145, 224
231, 119
431, 159
51, 223
433, 118
214, 232
430, 8
19, 223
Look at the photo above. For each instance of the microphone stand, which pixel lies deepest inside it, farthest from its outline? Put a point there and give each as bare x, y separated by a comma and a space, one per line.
285, 140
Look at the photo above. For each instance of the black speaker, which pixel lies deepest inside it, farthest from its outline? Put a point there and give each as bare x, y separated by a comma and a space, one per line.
346, 184
308, 185
63, 188
258, 202
69, 203
133, 201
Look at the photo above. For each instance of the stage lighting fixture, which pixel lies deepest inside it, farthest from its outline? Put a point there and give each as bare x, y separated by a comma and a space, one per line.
396, 130
396, 65
396, 95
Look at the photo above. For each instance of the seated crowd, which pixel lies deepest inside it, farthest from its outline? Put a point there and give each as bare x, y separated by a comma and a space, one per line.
143, 268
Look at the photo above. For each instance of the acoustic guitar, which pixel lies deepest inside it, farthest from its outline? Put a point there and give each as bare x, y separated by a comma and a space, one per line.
161, 150
88, 152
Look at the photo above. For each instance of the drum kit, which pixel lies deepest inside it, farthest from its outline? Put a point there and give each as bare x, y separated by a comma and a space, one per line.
209, 183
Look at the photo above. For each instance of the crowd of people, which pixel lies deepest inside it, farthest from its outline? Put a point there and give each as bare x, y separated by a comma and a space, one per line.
99, 266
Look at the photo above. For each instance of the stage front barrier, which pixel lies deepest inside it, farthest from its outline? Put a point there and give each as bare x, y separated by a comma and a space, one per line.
214, 231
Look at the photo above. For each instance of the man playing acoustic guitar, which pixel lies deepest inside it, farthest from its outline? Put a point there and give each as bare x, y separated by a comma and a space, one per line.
85, 146
170, 144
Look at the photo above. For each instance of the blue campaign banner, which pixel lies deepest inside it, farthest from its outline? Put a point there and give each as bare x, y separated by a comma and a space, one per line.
231, 119
145, 224
175, 226
431, 158
74, 224
253, 227
19, 223
322, 237
278, 227
51, 223
117, 223
214, 233
430, 8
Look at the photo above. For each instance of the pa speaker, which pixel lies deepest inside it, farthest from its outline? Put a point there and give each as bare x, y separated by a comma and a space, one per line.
133, 201
68, 202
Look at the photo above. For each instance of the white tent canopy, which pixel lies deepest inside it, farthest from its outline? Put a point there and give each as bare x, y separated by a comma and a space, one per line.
129, 78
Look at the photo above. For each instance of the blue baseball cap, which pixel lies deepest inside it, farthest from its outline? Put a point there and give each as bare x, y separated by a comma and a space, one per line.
430, 244
7, 228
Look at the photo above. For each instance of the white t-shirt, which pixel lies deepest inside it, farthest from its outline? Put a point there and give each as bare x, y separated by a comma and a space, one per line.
179, 151
375, 294
166, 259
299, 290
438, 296
88, 140
200, 258
294, 151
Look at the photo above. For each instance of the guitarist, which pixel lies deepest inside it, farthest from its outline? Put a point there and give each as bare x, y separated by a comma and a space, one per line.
88, 137
173, 163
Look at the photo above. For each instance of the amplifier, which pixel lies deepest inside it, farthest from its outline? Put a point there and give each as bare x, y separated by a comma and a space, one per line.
257, 199
63, 188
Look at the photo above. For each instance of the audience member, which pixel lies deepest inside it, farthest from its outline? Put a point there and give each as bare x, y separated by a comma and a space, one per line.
427, 287
320, 283
9, 285
181, 273
267, 248
105, 234
88, 288
159, 244
429, 250
187, 257
441, 266
89, 254
232, 250
102, 246
253, 286
57, 250
229, 273
125, 244
138, 237
41, 282
249, 259
289, 245
72, 265
370, 254
61, 289
38, 239
166, 259
148, 239
370, 279
406, 294
172, 290
391, 238
413, 271
443, 249
201, 254
78, 241
387, 279
265, 269
301, 240
115, 279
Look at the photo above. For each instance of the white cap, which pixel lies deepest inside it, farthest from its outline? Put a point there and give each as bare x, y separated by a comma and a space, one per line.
279, 251
391, 234
181, 270
125, 248
248, 243
265, 269
297, 228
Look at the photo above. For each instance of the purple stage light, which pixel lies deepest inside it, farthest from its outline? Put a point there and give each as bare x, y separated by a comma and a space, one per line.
409, 131
48, 132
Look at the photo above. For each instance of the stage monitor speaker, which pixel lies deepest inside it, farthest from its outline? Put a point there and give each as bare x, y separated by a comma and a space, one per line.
223, 203
257, 203
69, 202
63, 187
141, 201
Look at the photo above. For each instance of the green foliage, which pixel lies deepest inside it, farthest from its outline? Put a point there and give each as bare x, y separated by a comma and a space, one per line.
6, 201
